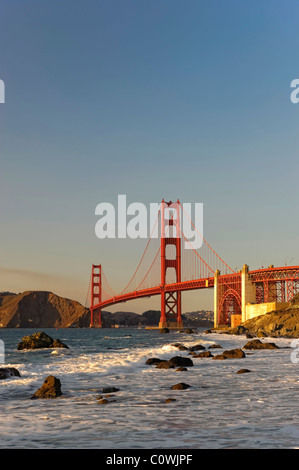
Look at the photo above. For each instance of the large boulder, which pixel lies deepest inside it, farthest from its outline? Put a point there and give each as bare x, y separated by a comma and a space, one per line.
231, 354
181, 361
153, 360
40, 340
8, 372
51, 388
257, 344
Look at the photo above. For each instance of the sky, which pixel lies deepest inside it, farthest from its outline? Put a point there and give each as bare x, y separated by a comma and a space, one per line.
150, 99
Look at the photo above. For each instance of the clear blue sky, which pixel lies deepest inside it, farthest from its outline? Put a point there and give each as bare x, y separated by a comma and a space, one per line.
152, 99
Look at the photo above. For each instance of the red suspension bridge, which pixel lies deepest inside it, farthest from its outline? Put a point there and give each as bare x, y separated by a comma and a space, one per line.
168, 270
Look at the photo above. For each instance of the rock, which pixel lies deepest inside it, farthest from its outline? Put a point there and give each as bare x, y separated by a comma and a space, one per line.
40, 340
181, 369
220, 357
197, 347
58, 344
234, 353
51, 388
215, 346
189, 331
207, 332
231, 354
180, 386
261, 334
237, 330
204, 354
243, 371
110, 390
103, 401
180, 346
169, 400
164, 330
165, 365
153, 360
279, 323
181, 361
257, 344
8, 372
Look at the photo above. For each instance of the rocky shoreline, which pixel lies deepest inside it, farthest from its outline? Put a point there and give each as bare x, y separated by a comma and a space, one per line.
51, 388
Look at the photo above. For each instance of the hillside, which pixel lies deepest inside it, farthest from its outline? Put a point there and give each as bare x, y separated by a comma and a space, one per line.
42, 309
277, 323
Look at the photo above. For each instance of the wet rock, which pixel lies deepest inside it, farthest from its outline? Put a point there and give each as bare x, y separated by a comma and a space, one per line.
181, 361
220, 357
169, 400
181, 369
197, 347
234, 353
165, 365
257, 344
243, 371
231, 354
51, 388
40, 340
58, 344
7, 372
204, 354
110, 390
164, 330
207, 332
215, 346
153, 360
180, 386
103, 401
180, 346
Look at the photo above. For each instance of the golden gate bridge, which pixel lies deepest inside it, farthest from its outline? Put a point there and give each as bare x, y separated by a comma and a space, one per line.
168, 270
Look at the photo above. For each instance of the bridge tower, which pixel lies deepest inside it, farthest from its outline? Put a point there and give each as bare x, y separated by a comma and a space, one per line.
96, 293
171, 302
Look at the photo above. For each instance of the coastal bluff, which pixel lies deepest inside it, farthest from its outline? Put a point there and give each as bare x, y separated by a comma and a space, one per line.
280, 323
34, 309
43, 309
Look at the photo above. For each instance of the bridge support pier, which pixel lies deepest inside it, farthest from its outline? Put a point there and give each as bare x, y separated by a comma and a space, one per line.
171, 302
96, 294
248, 291
231, 295
216, 299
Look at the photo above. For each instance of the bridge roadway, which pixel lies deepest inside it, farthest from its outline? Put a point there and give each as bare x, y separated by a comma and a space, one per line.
270, 274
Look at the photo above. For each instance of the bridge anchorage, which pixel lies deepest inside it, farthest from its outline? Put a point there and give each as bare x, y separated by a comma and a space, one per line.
169, 270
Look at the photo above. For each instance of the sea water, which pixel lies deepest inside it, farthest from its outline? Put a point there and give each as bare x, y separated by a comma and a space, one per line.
221, 409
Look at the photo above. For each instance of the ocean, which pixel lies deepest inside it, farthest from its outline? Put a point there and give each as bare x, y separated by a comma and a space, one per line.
220, 410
